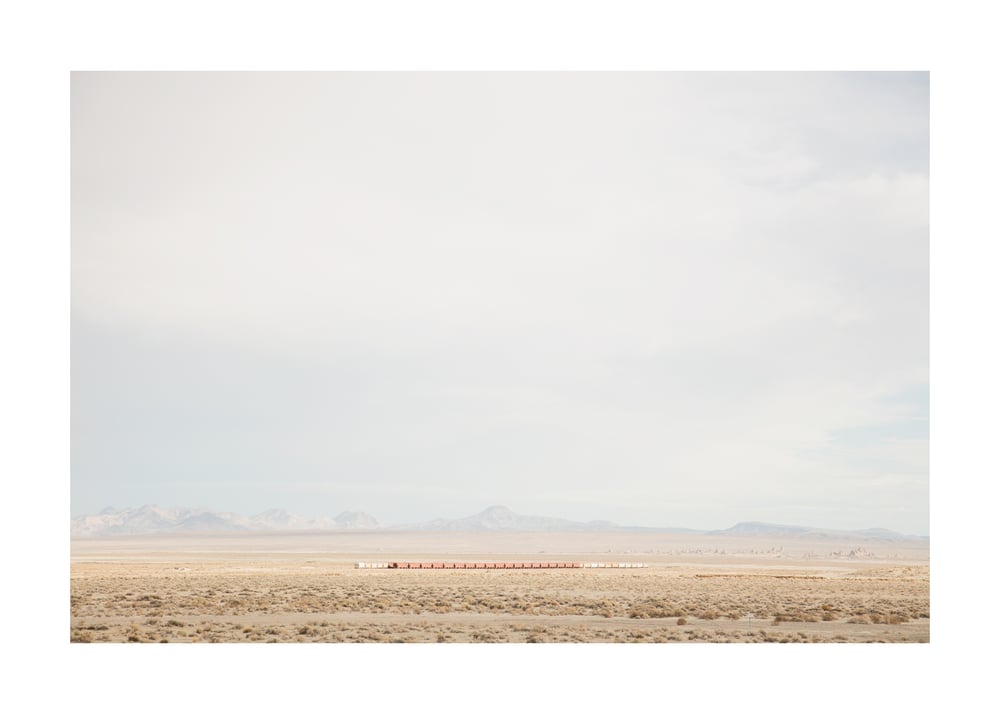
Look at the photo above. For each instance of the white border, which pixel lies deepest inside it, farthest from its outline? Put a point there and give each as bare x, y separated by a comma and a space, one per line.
42, 42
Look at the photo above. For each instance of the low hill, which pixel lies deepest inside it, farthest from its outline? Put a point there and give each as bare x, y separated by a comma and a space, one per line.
501, 518
755, 528
155, 519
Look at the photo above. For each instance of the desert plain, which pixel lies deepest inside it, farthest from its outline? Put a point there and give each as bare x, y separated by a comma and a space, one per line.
305, 587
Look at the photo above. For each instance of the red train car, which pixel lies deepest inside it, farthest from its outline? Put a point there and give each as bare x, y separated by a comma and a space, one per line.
495, 565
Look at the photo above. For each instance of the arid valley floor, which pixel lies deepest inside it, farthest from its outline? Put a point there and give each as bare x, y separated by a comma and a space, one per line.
303, 587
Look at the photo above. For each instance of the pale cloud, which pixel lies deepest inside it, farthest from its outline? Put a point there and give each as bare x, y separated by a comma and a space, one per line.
652, 298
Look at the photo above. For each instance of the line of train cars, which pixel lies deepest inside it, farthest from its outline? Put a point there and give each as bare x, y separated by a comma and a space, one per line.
527, 565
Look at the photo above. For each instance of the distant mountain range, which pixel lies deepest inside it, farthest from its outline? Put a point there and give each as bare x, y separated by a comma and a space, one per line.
154, 519
501, 518
753, 528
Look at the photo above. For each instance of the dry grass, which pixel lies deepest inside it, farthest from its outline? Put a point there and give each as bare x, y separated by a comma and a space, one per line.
281, 588
289, 598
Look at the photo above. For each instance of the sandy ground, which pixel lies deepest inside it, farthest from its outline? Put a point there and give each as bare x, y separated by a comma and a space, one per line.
304, 588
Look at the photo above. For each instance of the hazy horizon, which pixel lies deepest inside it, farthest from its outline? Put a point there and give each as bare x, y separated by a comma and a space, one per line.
430, 517
660, 299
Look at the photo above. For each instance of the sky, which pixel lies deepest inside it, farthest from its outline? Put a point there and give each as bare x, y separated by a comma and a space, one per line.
662, 299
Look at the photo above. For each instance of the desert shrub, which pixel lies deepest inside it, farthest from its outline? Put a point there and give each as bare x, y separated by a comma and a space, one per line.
652, 608
890, 619
682, 621
794, 617
643, 612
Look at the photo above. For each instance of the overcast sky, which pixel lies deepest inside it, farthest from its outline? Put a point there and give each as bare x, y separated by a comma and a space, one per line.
659, 299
